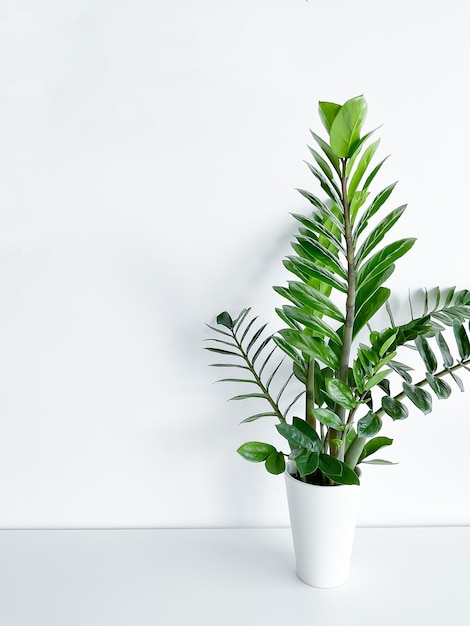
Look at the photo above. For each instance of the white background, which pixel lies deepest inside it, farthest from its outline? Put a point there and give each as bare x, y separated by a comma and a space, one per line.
149, 155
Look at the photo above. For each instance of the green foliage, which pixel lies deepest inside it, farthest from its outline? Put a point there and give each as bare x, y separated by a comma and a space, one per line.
341, 260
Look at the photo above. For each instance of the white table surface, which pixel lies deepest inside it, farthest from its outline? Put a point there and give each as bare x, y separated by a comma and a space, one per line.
399, 576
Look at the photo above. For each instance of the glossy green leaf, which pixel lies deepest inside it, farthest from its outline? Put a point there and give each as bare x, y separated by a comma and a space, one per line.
255, 451
402, 370
361, 167
378, 233
328, 111
369, 425
394, 408
328, 418
457, 380
322, 164
419, 397
313, 322
376, 379
461, 339
323, 209
444, 348
307, 269
338, 471
346, 127
373, 445
289, 350
245, 396
332, 158
258, 416
224, 352
382, 259
306, 428
275, 463
379, 462
359, 376
340, 393
370, 286
315, 300
313, 347
313, 250
370, 308
374, 206
426, 354
307, 462
298, 438
328, 186
439, 386
225, 320
317, 226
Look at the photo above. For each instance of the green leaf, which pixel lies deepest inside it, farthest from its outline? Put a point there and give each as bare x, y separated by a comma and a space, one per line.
255, 338
275, 463
315, 300
289, 350
457, 380
311, 346
382, 259
305, 268
461, 338
362, 167
376, 379
338, 471
314, 323
379, 462
328, 111
370, 286
225, 320
394, 408
258, 416
307, 429
322, 164
440, 387
346, 126
375, 205
402, 370
240, 319
245, 396
370, 308
419, 397
225, 352
358, 374
426, 354
314, 251
333, 159
378, 233
307, 462
314, 225
369, 425
444, 348
373, 445
340, 393
298, 438
328, 418
255, 451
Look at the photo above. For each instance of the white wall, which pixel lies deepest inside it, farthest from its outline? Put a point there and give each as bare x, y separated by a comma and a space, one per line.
149, 155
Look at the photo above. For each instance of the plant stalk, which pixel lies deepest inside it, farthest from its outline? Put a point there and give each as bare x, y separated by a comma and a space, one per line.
350, 307
258, 380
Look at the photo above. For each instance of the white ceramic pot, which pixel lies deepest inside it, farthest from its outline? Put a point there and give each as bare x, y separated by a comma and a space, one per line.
323, 522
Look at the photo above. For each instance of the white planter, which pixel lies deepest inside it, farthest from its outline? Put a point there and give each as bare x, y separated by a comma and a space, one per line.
323, 522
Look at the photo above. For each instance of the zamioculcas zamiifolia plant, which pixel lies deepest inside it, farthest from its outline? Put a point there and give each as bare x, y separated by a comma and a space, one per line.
350, 374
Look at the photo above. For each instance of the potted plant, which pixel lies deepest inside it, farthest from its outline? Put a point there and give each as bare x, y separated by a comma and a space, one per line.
348, 374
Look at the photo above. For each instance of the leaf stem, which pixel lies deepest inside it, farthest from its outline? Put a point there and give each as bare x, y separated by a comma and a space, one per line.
267, 395
350, 305
423, 382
